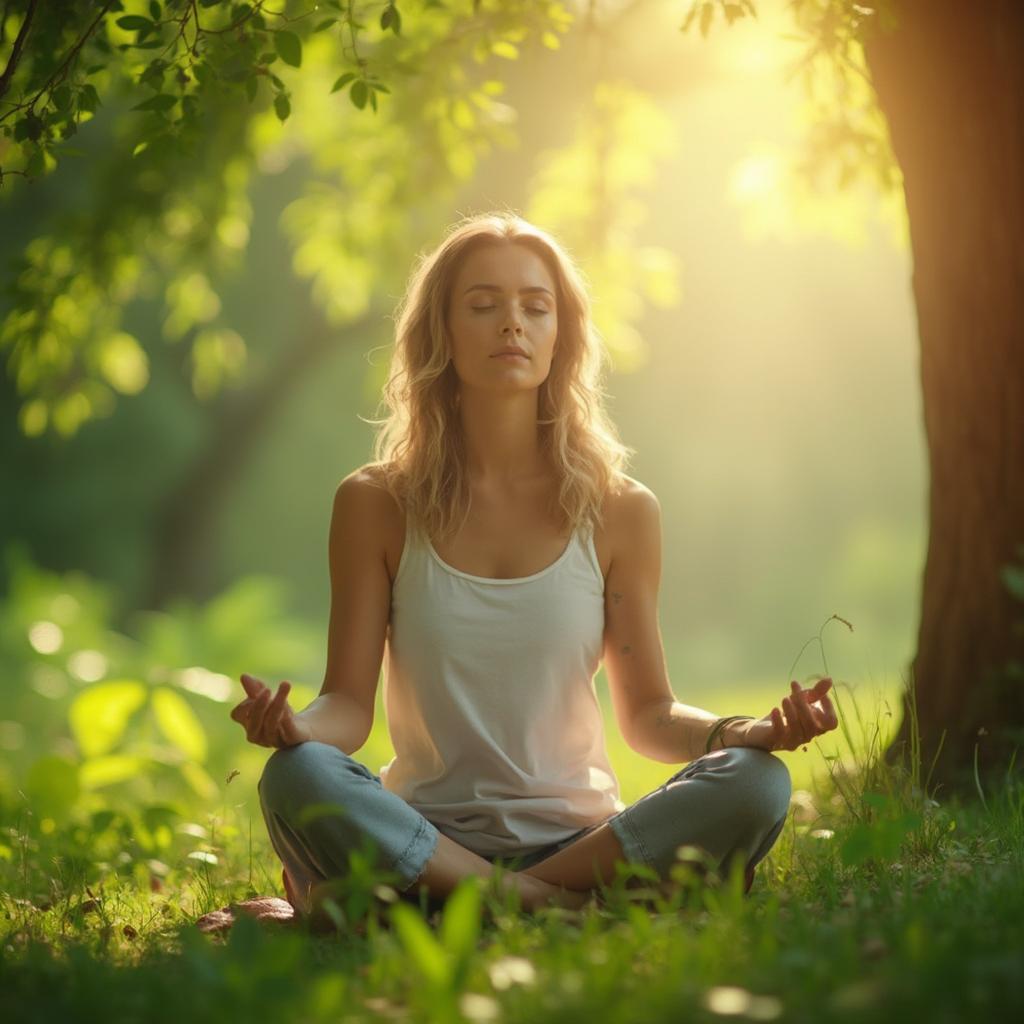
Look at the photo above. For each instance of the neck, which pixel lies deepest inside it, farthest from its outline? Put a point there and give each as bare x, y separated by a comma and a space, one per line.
501, 436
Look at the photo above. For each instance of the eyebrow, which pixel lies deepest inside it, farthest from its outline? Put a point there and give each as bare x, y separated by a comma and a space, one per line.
498, 288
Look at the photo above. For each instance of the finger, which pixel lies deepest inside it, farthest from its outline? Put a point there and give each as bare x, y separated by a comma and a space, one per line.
275, 710
808, 723
290, 729
259, 711
253, 687
831, 718
240, 712
791, 739
780, 727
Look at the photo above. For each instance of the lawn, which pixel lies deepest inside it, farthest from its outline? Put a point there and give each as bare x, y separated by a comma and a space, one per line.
878, 902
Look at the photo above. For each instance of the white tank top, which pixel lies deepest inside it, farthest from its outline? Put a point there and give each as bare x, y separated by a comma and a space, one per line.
490, 700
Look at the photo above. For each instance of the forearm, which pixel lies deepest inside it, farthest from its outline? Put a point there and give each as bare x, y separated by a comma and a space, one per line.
336, 719
673, 732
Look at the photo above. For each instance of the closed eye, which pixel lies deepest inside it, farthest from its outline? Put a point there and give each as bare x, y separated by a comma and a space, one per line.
484, 309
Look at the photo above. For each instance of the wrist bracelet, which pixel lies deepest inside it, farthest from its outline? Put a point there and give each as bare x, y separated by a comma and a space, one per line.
719, 725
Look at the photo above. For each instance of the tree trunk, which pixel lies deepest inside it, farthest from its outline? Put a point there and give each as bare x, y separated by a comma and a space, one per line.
184, 534
950, 80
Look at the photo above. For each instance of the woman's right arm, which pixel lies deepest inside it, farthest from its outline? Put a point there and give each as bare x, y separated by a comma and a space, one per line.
342, 715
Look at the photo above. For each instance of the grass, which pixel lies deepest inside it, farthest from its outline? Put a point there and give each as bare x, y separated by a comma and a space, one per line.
878, 902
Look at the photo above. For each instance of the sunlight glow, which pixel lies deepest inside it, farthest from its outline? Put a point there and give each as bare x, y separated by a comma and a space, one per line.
87, 665
732, 1001
45, 637
206, 683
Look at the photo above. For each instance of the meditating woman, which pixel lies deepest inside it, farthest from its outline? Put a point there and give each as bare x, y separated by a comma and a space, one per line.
496, 549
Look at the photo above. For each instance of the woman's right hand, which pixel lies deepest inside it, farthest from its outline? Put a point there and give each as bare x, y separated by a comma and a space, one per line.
269, 721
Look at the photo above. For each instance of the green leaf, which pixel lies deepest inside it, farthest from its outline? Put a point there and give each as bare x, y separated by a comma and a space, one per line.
163, 101
110, 768
123, 362
343, 81
99, 715
460, 925
426, 953
358, 94
282, 106
251, 87
88, 98
134, 23
36, 164
289, 47
325, 24
179, 723
154, 10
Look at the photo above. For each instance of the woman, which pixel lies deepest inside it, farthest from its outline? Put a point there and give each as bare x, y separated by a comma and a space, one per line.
499, 552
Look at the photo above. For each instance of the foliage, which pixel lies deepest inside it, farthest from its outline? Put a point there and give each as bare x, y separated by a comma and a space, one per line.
170, 209
100, 722
916, 929
198, 99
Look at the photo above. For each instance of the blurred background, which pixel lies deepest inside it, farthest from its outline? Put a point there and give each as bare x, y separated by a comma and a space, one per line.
763, 365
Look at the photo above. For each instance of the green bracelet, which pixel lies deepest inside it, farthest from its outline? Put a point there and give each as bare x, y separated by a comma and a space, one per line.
719, 725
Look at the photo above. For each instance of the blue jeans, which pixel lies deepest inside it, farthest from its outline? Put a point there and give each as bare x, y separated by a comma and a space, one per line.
321, 804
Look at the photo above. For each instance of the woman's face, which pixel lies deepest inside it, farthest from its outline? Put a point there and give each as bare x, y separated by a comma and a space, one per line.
503, 295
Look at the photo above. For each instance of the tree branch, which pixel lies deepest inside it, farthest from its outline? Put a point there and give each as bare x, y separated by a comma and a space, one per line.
61, 73
12, 63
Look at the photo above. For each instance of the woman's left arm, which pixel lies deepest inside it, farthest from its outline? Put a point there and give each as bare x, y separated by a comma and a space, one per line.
651, 720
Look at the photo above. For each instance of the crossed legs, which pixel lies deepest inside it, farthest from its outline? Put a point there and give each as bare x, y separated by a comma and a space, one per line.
730, 803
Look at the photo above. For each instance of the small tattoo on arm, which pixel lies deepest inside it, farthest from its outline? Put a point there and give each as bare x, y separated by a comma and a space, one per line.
627, 649
616, 596
663, 719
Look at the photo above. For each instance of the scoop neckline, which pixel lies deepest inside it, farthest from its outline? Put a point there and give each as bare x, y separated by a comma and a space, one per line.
498, 580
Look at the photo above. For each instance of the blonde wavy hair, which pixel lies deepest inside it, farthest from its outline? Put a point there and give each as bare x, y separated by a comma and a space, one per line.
419, 448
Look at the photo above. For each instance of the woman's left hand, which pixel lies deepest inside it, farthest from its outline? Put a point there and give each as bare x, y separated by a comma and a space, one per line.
804, 715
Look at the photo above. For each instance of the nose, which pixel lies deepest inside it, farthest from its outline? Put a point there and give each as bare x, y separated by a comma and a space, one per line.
513, 324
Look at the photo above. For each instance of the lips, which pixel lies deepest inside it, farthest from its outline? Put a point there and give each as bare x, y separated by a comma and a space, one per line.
511, 351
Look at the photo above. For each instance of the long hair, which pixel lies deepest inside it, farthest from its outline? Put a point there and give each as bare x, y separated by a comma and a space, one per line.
419, 446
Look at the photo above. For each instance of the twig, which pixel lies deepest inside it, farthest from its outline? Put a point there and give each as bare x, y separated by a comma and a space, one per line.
19, 42
61, 73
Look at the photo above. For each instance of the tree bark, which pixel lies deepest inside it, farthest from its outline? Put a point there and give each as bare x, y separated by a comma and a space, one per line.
950, 80
184, 536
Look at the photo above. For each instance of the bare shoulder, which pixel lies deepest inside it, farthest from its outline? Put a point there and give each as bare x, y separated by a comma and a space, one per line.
366, 486
632, 514
364, 505
631, 507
